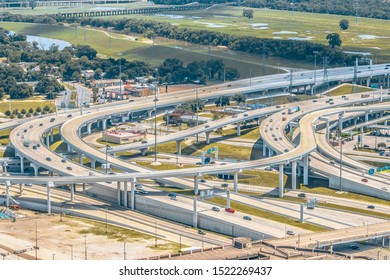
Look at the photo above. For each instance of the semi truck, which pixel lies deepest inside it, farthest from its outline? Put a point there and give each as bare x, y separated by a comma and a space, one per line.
293, 109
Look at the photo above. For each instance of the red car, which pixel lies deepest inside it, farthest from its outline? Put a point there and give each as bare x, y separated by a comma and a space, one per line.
284, 118
230, 210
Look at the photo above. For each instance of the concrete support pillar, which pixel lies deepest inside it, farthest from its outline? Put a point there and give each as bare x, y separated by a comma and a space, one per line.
327, 130
118, 193
368, 82
281, 183
366, 117
385, 122
354, 121
238, 129
195, 214
47, 140
51, 135
208, 137
93, 164
21, 164
132, 195
48, 200
150, 113
178, 142
89, 131
84, 186
36, 168
80, 158
306, 169
69, 148
291, 132
383, 242
264, 149
72, 189
301, 218
270, 152
228, 198
125, 194
196, 184
294, 175
21, 189
7, 185
340, 125
235, 182
104, 124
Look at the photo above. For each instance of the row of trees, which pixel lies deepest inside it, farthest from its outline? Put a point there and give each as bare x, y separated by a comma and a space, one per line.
28, 113
367, 8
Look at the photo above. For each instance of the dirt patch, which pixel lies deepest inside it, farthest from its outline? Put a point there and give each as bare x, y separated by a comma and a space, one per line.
70, 237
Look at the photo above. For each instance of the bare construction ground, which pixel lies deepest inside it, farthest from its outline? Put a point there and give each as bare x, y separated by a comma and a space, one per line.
62, 238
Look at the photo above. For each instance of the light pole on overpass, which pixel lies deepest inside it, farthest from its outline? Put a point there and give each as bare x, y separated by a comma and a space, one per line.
341, 149
197, 108
315, 72
155, 122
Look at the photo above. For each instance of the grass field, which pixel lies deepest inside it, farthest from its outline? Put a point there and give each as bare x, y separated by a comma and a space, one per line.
371, 35
347, 89
4, 136
24, 104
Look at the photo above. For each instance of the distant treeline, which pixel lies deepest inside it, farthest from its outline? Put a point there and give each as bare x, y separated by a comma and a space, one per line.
367, 8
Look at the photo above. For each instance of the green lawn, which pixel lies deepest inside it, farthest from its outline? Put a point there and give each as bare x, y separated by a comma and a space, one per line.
347, 89
4, 136
246, 133
261, 178
24, 104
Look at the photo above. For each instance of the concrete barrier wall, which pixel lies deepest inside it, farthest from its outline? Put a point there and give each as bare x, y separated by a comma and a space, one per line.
355, 187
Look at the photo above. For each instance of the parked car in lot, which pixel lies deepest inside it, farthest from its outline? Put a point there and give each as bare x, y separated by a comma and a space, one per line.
230, 210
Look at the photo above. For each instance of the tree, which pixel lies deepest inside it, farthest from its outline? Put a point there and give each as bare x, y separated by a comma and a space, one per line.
7, 113
381, 145
32, 4
247, 13
239, 98
46, 108
224, 100
31, 110
344, 24
21, 91
334, 40
28, 115
231, 74
23, 111
38, 109
20, 116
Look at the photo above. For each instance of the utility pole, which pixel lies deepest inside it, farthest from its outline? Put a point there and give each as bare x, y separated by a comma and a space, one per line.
155, 122
36, 240
85, 247
341, 151
357, 5
315, 72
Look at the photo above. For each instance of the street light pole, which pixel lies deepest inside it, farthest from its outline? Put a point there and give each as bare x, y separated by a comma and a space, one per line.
155, 123
106, 220
341, 150
315, 72
197, 112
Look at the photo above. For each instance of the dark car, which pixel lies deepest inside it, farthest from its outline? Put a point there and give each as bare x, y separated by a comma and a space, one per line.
70, 115
48, 159
216, 209
41, 124
247, 218
371, 207
34, 147
69, 167
302, 195
224, 185
63, 160
52, 119
202, 181
201, 231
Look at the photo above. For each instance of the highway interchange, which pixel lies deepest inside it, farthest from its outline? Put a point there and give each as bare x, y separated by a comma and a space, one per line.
275, 122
